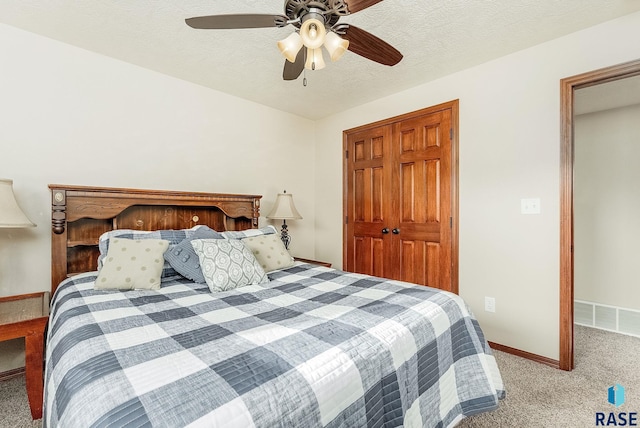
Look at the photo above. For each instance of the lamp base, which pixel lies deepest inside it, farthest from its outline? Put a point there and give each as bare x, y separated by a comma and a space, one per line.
284, 235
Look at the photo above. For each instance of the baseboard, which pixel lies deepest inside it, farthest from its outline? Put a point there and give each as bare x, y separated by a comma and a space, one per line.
524, 354
10, 374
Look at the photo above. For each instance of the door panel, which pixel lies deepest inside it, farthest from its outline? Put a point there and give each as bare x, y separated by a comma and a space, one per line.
420, 191
377, 257
432, 193
423, 165
370, 253
422, 254
368, 203
377, 194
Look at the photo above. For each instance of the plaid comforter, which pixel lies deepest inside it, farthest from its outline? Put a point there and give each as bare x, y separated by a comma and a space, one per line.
313, 347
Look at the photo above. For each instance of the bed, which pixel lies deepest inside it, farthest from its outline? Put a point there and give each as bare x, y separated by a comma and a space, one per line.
312, 346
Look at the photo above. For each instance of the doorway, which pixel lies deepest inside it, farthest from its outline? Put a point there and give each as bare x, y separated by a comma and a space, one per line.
567, 88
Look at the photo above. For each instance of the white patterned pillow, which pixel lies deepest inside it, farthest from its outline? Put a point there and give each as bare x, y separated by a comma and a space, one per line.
227, 264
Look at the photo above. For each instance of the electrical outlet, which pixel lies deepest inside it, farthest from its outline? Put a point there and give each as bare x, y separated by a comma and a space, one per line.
490, 304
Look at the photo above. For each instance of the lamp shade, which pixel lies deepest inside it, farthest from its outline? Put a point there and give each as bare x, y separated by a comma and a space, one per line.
315, 60
335, 45
10, 213
312, 32
290, 46
284, 209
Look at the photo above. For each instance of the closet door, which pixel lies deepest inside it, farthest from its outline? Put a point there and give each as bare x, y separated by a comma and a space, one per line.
369, 213
400, 198
422, 165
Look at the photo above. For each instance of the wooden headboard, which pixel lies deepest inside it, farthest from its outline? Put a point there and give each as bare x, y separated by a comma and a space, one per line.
79, 215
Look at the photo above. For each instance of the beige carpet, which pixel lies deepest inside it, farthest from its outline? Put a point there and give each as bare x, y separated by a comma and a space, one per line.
541, 396
537, 396
14, 405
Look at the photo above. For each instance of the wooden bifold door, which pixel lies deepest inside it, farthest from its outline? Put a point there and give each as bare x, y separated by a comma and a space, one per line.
401, 199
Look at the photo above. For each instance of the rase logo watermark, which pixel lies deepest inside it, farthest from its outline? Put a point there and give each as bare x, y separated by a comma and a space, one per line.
615, 397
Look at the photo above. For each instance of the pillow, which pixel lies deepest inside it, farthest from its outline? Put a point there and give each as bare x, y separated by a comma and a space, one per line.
132, 264
173, 236
269, 251
183, 258
228, 264
232, 234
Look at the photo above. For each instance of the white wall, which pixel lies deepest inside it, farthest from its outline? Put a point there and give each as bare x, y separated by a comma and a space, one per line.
509, 149
69, 116
607, 207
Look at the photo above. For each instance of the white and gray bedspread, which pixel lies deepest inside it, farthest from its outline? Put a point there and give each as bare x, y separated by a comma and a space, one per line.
313, 347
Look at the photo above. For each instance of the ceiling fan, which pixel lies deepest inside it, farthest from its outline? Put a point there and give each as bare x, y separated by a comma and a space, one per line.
316, 23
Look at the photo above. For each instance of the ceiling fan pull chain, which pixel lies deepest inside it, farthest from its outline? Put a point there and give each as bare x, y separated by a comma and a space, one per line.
304, 70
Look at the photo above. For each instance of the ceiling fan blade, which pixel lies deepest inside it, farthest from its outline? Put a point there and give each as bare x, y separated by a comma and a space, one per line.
357, 5
292, 70
371, 47
222, 22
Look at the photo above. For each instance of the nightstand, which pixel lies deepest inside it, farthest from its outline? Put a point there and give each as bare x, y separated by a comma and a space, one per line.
26, 316
313, 262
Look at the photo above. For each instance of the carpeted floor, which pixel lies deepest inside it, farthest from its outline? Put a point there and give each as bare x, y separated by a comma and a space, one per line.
537, 396
540, 396
14, 406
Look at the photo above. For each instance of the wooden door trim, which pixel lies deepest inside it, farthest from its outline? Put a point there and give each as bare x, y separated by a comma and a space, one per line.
567, 87
411, 115
454, 107
454, 197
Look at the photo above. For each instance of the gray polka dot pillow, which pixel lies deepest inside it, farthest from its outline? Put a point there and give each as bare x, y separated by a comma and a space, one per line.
132, 264
269, 251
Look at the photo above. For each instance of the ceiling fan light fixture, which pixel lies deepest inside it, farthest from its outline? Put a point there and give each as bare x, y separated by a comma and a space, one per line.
335, 45
315, 60
290, 46
317, 25
312, 32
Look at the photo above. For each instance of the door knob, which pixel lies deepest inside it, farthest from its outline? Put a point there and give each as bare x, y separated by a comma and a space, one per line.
395, 231
385, 230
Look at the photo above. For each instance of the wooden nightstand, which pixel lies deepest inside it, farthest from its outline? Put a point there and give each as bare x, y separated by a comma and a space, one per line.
313, 262
26, 316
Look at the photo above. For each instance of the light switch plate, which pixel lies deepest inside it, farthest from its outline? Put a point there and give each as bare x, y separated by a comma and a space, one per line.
530, 206
490, 304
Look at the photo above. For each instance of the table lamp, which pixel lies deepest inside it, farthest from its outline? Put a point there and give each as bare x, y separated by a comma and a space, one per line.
11, 216
284, 210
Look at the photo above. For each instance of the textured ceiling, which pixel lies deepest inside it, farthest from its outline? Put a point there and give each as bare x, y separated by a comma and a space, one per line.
437, 37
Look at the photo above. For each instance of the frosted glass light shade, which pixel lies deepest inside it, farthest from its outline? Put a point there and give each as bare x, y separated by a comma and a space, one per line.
290, 46
312, 32
284, 209
335, 45
10, 213
314, 56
